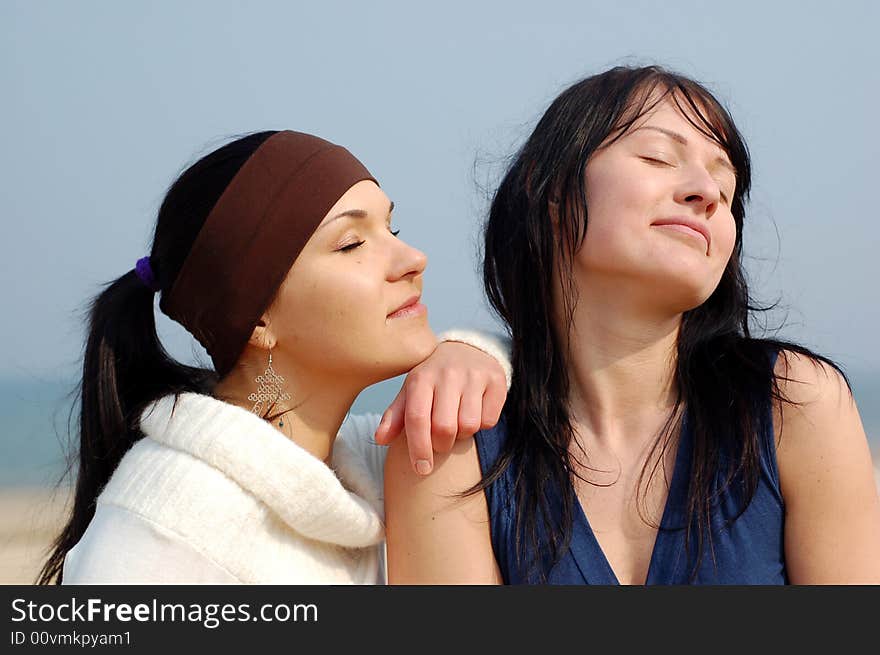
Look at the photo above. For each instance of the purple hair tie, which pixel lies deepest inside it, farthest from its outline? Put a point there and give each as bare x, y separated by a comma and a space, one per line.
145, 274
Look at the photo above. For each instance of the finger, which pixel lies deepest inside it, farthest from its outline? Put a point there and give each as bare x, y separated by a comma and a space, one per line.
392, 421
444, 416
493, 402
470, 410
417, 418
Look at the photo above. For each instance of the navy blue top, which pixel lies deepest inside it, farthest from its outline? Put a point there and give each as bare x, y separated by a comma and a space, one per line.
748, 551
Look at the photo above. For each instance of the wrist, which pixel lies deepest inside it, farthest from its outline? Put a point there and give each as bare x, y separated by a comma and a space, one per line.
486, 343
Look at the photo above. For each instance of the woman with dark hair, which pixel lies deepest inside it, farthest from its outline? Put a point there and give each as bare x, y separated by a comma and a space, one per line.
647, 437
276, 252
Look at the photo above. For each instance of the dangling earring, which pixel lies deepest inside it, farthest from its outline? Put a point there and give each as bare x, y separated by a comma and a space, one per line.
269, 389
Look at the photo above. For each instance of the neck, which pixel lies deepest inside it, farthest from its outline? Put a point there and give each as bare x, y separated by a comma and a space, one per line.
621, 366
312, 416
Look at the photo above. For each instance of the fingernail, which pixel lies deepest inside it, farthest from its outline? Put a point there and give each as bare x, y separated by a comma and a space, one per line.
423, 466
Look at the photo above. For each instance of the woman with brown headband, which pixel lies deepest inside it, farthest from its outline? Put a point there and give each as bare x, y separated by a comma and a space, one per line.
276, 252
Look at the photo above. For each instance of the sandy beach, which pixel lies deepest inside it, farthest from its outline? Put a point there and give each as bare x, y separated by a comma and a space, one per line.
30, 518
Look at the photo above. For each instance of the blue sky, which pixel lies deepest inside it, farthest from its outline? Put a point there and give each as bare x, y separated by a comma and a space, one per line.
105, 102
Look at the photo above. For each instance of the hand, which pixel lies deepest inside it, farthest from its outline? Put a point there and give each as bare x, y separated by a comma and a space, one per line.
454, 393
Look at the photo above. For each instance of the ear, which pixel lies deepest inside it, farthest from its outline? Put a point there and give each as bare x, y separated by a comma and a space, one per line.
263, 337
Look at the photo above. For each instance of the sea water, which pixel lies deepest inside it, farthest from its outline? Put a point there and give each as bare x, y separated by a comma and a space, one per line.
36, 423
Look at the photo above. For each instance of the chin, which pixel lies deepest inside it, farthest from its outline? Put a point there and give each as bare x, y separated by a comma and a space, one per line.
690, 299
683, 294
418, 350
692, 281
405, 355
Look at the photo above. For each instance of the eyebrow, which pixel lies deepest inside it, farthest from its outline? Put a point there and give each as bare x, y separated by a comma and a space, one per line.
355, 213
680, 138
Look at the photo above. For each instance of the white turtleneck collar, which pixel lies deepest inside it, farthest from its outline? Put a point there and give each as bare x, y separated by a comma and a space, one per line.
301, 489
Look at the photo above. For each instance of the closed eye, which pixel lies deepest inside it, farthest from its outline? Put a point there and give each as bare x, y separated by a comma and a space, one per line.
357, 244
351, 246
723, 193
655, 161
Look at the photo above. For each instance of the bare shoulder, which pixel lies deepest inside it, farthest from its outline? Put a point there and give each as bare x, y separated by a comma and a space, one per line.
832, 525
811, 382
818, 419
436, 534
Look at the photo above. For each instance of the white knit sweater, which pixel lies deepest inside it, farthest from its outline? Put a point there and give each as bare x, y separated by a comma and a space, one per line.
214, 494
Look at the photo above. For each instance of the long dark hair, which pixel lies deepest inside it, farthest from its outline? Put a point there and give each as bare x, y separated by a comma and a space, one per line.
723, 374
125, 366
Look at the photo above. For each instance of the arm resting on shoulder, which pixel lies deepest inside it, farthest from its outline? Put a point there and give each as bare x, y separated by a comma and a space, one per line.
496, 346
433, 535
832, 524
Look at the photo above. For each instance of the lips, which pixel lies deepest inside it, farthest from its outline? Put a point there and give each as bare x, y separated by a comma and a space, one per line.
686, 225
409, 304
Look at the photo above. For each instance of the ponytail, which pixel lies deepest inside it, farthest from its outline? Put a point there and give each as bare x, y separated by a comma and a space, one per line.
125, 367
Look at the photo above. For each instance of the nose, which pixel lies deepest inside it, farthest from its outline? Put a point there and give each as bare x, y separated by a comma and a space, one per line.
406, 261
699, 191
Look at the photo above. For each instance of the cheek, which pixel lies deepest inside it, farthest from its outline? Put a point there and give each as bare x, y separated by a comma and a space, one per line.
609, 194
332, 307
336, 323
724, 236
618, 213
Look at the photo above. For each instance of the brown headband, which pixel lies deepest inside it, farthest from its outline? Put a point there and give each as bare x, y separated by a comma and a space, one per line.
252, 237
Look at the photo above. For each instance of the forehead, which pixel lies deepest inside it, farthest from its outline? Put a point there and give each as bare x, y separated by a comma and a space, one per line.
365, 197
677, 117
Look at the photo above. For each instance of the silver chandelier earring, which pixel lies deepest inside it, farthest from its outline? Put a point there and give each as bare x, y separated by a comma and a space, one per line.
269, 389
